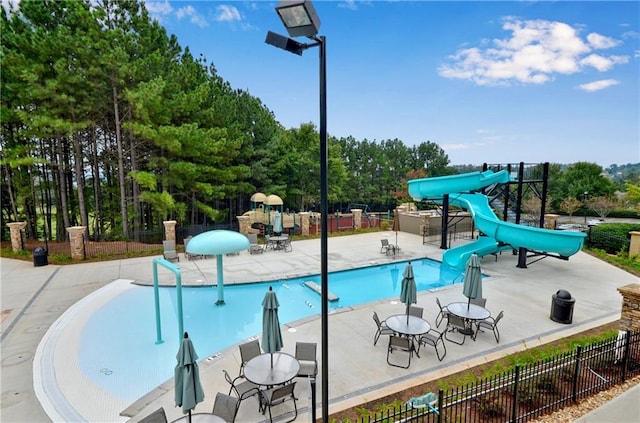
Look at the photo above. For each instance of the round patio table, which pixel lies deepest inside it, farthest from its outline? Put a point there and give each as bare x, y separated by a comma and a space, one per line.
414, 326
469, 312
259, 371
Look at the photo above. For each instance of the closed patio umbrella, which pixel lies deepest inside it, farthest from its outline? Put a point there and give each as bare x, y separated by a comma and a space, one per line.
472, 286
408, 293
271, 335
277, 223
188, 390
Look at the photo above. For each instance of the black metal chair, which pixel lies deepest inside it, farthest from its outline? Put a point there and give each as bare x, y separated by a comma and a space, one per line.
382, 328
442, 314
248, 350
306, 356
456, 324
491, 324
158, 416
397, 343
226, 407
278, 395
433, 338
242, 387
416, 311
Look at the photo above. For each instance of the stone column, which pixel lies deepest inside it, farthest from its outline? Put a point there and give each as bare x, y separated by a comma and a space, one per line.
357, 218
630, 315
634, 246
15, 229
243, 222
550, 220
169, 230
76, 241
304, 223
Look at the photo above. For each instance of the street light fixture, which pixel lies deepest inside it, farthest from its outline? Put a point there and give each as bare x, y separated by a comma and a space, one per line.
301, 20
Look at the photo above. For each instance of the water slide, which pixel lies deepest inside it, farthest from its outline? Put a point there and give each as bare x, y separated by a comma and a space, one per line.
498, 235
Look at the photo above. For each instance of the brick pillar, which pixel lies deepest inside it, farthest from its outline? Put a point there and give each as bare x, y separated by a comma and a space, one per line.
76, 240
16, 228
243, 223
630, 315
550, 220
169, 230
304, 223
634, 246
357, 218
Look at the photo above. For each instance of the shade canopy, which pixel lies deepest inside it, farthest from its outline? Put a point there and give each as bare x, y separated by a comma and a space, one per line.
217, 242
188, 390
271, 335
472, 286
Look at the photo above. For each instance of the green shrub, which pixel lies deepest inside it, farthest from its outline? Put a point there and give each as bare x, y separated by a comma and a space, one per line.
490, 406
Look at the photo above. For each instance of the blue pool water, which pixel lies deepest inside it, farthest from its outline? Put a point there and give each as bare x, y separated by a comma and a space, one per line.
118, 350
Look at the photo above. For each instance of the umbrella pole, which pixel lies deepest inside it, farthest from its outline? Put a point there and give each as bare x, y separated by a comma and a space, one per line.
189, 416
272, 360
407, 313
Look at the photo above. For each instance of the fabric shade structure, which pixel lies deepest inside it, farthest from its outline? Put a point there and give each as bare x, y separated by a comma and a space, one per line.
188, 390
408, 294
218, 242
271, 335
472, 286
277, 222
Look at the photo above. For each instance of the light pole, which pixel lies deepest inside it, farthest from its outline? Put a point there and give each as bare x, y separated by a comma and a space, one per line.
584, 204
301, 20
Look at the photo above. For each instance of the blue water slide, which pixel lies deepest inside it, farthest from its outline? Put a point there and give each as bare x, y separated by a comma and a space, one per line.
498, 235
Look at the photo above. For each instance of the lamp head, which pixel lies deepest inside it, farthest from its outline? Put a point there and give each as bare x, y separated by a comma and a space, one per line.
285, 43
299, 17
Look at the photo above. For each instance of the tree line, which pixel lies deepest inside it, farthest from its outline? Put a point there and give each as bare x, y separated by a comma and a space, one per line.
107, 122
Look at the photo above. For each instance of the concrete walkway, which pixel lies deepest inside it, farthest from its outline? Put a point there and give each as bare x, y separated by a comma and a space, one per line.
38, 305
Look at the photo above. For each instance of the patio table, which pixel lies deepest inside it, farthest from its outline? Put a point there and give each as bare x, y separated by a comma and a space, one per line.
468, 312
259, 371
413, 326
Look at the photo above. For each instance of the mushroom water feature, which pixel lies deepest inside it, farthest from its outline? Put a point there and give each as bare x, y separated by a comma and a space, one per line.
218, 242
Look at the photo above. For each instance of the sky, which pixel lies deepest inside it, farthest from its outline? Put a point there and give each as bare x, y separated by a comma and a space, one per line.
489, 82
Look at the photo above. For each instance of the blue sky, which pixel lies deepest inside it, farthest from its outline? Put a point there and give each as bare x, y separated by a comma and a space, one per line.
495, 82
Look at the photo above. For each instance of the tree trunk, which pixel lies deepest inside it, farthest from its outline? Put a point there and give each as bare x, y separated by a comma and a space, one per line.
121, 172
79, 162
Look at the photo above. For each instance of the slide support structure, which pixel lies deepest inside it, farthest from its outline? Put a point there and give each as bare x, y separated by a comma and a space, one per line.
445, 222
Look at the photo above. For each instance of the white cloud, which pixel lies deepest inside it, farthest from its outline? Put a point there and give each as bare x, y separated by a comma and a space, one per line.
598, 85
534, 53
159, 9
193, 15
598, 41
603, 63
226, 13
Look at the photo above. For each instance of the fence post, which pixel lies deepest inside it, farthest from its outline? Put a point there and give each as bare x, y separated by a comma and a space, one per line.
576, 371
440, 395
514, 405
625, 356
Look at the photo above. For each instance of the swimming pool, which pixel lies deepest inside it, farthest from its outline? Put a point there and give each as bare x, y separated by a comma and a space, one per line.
118, 349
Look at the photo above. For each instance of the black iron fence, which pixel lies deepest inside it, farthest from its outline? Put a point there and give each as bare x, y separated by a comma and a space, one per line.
530, 391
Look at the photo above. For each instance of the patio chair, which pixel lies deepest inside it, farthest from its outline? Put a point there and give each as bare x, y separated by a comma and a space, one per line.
426, 401
397, 343
287, 245
254, 247
456, 324
242, 387
491, 324
416, 311
433, 338
442, 314
226, 407
170, 253
187, 255
248, 350
278, 395
158, 416
478, 301
382, 328
386, 247
306, 356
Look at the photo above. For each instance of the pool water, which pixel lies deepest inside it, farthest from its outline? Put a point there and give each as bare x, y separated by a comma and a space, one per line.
118, 349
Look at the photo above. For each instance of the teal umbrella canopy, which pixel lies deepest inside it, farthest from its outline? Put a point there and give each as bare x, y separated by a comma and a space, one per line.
271, 335
408, 294
472, 285
217, 242
188, 390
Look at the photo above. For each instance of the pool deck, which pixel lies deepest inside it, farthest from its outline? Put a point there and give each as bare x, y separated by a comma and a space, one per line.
38, 345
